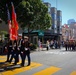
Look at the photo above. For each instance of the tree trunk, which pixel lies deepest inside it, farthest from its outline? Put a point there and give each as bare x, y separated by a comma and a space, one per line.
28, 32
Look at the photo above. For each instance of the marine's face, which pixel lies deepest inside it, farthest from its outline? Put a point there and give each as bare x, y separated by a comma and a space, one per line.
25, 39
19, 37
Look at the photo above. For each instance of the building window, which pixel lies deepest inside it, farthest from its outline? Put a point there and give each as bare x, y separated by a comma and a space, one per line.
59, 18
53, 16
49, 10
55, 26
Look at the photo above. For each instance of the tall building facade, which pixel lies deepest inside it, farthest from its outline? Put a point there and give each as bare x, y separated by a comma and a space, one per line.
73, 28
54, 32
67, 33
59, 21
54, 20
70, 21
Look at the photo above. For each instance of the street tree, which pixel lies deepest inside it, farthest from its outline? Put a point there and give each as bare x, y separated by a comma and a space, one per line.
34, 15
3, 8
31, 14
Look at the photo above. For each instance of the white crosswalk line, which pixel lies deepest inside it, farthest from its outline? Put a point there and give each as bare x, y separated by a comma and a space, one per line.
59, 53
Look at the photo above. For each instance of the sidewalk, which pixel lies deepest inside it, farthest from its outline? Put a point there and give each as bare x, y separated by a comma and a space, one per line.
45, 49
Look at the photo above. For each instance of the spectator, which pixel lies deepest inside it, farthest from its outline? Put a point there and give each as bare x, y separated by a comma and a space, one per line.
39, 44
47, 44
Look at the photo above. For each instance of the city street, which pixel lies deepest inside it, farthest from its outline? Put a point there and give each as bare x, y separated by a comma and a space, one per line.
52, 62
26, 25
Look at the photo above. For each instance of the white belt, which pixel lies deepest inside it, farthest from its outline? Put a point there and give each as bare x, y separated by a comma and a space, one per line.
10, 46
26, 49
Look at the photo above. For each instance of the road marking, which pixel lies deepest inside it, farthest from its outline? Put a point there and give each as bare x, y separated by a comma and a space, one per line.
12, 70
60, 53
48, 71
2, 60
2, 56
21, 69
73, 73
33, 65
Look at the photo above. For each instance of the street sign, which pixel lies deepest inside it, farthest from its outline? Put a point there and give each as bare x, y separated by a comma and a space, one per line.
41, 33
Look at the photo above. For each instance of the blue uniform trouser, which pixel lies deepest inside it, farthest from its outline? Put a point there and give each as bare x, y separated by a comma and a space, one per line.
24, 57
15, 56
8, 55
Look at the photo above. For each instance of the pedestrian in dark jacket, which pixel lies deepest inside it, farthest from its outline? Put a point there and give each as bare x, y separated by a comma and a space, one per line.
66, 45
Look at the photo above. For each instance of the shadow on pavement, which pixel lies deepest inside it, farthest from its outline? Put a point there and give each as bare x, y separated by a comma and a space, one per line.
68, 51
7, 66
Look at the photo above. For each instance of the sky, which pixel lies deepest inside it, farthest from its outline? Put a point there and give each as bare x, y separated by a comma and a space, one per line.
68, 8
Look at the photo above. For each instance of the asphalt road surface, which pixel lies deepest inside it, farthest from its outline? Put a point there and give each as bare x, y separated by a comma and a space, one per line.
52, 62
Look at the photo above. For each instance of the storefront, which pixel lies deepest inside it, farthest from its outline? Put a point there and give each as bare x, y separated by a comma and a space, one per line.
35, 35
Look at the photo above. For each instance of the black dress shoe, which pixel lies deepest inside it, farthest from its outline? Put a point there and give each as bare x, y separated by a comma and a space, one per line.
28, 65
14, 63
10, 62
7, 61
22, 65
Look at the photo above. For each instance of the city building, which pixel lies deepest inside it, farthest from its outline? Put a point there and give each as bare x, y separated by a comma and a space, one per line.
59, 21
66, 32
73, 28
54, 20
59, 24
54, 32
70, 21
69, 31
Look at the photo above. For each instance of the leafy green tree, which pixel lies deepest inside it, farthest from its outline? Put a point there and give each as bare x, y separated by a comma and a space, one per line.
34, 15
31, 14
3, 8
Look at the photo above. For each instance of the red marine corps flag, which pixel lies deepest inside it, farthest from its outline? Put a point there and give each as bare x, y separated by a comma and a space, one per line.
14, 24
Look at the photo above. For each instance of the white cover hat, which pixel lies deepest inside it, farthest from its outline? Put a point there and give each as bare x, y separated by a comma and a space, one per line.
19, 34
25, 37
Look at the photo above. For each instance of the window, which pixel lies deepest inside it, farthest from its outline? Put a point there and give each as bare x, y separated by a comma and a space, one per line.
53, 16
